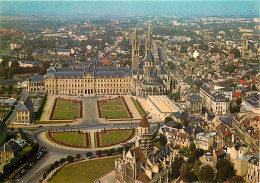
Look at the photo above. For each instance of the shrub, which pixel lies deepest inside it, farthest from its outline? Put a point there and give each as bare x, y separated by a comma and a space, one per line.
70, 159
78, 156
89, 154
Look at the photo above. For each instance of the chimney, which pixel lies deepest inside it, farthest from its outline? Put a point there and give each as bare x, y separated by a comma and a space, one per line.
233, 138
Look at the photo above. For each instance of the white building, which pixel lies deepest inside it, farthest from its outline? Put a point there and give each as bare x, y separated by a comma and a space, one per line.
204, 140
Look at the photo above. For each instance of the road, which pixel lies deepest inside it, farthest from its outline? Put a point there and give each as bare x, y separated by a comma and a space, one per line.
89, 122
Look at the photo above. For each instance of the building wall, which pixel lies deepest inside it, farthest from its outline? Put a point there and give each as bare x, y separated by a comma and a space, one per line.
91, 85
5, 157
253, 173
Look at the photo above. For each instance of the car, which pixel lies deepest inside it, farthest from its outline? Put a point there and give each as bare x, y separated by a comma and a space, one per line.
40, 126
31, 164
17, 176
22, 171
111, 125
67, 125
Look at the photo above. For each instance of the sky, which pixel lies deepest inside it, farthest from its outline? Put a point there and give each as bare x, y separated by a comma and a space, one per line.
130, 8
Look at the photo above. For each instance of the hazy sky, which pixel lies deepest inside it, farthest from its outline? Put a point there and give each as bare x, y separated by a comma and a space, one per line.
130, 8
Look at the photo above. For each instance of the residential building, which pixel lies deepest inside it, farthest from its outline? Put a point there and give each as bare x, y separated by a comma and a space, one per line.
253, 170
205, 140
214, 102
195, 104
8, 151
24, 112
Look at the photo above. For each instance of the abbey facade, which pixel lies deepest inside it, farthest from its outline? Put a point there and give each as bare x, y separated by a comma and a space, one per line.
148, 76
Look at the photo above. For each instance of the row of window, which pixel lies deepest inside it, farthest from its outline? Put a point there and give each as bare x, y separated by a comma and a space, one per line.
88, 81
98, 85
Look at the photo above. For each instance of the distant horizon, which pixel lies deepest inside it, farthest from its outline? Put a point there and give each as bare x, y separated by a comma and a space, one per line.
130, 8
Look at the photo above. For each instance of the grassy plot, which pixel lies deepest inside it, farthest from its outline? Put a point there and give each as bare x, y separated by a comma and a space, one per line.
70, 137
114, 136
84, 172
138, 107
113, 108
66, 109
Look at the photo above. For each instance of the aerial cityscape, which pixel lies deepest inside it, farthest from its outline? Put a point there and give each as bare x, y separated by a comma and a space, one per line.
129, 91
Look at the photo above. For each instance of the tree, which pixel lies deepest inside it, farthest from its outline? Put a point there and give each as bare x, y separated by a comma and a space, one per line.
196, 167
12, 129
177, 164
177, 125
237, 179
206, 173
239, 101
192, 148
225, 170
78, 156
119, 150
230, 68
253, 72
99, 153
236, 52
184, 48
70, 159
62, 160
167, 119
89, 154
111, 151
254, 87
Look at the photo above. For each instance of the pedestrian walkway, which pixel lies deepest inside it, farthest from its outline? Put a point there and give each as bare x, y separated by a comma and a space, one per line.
132, 108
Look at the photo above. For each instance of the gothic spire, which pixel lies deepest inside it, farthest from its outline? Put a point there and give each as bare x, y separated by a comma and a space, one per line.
135, 36
149, 34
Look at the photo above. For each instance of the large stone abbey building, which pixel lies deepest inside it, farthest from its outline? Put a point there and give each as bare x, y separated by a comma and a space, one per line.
143, 163
147, 76
150, 76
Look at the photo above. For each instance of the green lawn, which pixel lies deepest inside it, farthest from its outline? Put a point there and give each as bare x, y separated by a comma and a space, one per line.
114, 108
139, 107
70, 137
84, 172
114, 136
66, 109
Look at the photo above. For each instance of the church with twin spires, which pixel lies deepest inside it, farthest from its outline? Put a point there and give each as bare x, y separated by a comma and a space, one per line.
150, 76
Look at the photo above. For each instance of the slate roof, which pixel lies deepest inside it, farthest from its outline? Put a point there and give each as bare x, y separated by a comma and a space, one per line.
81, 71
11, 146
226, 120
149, 57
160, 54
180, 115
6, 81
36, 78
195, 98
189, 129
25, 106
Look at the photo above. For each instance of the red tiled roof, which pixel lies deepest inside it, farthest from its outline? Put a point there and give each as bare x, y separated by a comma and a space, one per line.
232, 54
257, 118
236, 94
104, 60
243, 82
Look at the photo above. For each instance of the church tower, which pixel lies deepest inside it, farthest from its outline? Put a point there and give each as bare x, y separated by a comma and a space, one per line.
245, 46
135, 51
148, 42
144, 135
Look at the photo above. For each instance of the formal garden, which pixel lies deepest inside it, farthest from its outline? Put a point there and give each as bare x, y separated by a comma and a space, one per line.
64, 109
113, 108
71, 138
111, 137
